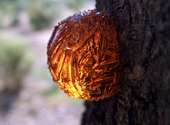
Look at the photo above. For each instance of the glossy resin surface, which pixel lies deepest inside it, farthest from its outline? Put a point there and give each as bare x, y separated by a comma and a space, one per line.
83, 56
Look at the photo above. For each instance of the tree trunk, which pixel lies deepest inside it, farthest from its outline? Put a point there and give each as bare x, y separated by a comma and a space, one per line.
144, 38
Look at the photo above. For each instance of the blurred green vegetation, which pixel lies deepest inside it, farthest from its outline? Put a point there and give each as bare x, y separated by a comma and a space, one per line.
41, 13
51, 92
41, 73
54, 92
15, 64
75, 4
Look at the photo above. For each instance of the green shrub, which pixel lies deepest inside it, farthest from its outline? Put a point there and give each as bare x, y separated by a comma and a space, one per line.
41, 14
75, 4
15, 63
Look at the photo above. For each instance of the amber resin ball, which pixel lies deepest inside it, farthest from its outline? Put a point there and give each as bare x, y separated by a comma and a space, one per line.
83, 56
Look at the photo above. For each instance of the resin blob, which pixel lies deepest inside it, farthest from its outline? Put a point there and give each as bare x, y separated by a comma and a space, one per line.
83, 56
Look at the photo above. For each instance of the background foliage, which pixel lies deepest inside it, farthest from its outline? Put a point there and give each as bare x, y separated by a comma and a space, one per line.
41, 12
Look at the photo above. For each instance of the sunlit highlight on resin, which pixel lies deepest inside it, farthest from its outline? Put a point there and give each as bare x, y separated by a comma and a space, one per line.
83, 56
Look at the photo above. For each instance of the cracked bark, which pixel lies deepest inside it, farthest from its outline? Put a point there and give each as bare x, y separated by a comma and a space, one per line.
144, 37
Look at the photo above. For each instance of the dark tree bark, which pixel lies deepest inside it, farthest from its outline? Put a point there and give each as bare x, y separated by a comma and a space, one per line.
144, 37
